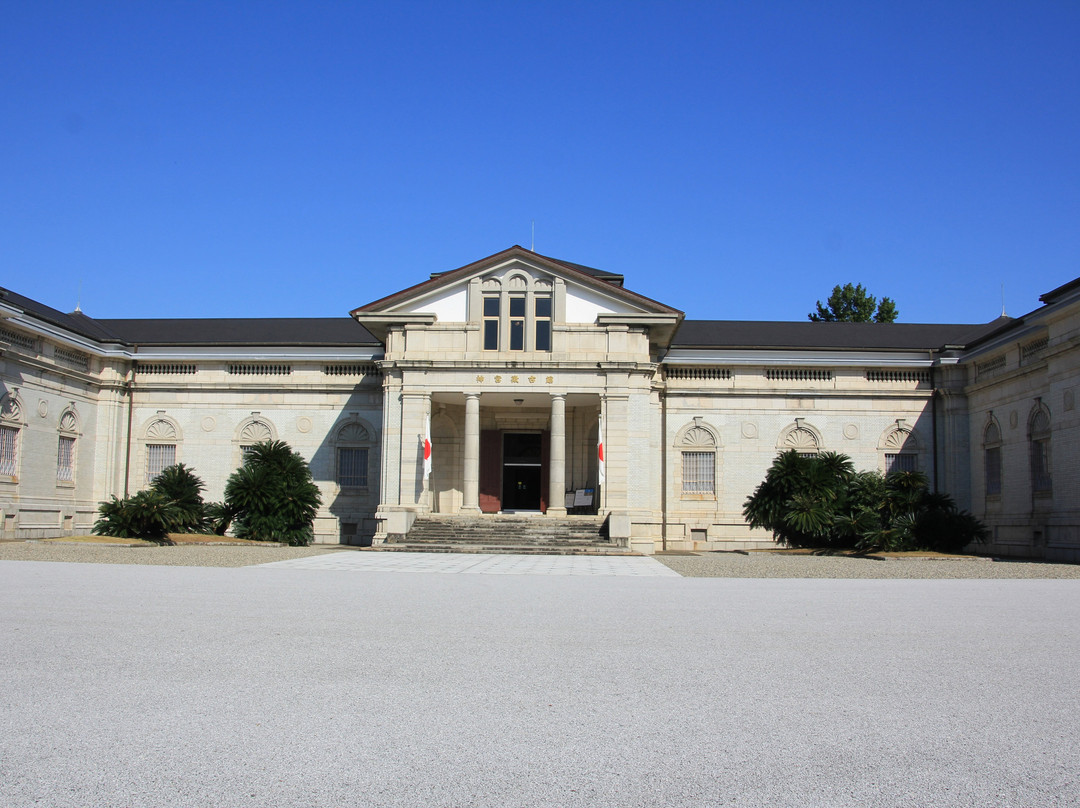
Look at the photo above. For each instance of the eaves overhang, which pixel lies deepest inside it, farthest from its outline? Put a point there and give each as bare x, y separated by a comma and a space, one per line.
379, 323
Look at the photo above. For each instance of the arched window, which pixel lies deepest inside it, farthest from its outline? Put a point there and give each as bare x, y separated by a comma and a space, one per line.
800, 437
253, 430
697, 443
899, 448
65, 447
517, 312
160, 438
992, 458
10, 425
353, 440
1039, 439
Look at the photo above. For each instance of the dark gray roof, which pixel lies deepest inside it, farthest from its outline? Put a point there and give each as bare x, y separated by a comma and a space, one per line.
298, 331
76, 322
600, 274
835, 336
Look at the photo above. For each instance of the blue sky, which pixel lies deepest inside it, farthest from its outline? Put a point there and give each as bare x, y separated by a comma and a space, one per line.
734, 160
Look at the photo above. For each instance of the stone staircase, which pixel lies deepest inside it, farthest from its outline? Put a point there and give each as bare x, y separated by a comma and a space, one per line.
507, 533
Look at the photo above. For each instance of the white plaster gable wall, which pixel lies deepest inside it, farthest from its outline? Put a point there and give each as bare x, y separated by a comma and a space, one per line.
583, 305
448, 305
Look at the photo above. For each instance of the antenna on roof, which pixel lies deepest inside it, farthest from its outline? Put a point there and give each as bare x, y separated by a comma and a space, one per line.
532, 244
1003, 314
78, 298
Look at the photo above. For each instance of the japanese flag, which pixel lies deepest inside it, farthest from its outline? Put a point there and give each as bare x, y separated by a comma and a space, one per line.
600, 452
427, 448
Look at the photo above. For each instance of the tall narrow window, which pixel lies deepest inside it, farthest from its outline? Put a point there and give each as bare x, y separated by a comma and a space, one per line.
517, 324
491, 323
9, 451
65, 459
992, 459
1039, 435
159, 456
543, 324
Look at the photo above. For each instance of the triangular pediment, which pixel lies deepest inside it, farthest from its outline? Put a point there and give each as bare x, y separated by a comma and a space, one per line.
589, 295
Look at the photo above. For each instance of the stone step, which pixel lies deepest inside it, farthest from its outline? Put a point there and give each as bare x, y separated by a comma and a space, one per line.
582, 535
530, 549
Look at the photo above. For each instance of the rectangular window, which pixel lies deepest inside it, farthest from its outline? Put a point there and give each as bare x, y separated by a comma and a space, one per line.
9, 450
993, 471
159, 456
65, 459
901, 462
491, 323
352, 468
698, 475
543, 324
517, 324
1040, 466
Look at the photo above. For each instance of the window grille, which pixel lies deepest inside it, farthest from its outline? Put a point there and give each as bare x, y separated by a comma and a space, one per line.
65, 459
15, 338
366, 369
73, 359
1033, 347
698, 374
698, 473
259, 370
990, 365
993, 471
159, 456
794, 375
9, 450
1040, 466
352, 470
904, 461
166, 369
895, 376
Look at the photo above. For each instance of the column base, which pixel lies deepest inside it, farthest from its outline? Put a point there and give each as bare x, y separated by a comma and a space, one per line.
557, 512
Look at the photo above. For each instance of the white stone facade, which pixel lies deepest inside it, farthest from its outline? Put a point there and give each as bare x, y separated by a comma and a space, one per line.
514, 362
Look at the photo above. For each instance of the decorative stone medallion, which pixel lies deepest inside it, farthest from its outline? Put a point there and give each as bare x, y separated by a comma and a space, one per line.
1014, 419
43, 408
209, 423
851, 431
303, 423
1069, 401
749, 429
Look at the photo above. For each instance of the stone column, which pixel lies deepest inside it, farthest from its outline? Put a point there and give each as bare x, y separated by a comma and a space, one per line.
471, 480
557, 457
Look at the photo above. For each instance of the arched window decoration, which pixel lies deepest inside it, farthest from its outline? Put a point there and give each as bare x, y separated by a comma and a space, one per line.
160, 437
517, 313
253, 430
900, 449
800, 437
65, 447
1039, 440
10, 426
354, 441
697, 444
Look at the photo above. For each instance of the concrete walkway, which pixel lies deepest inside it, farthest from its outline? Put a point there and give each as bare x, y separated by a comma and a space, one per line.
480, 564
146, 686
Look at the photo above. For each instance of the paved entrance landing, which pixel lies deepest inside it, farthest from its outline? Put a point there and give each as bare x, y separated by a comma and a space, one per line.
480, 564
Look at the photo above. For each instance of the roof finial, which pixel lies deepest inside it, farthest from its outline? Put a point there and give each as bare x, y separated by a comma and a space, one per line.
1003, 314
532, 244
78, 298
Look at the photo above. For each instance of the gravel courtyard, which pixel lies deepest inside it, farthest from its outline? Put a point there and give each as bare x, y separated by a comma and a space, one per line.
149, 685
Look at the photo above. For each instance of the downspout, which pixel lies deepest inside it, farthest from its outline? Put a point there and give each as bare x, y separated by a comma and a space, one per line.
663, 463
934, 420
127, 447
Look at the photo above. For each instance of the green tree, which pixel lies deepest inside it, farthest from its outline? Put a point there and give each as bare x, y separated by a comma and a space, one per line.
147, 515
273, 497
181, 485
853, 304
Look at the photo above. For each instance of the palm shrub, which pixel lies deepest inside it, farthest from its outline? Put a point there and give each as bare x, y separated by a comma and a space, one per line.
148, 514
181, 485
822, 502
273, 497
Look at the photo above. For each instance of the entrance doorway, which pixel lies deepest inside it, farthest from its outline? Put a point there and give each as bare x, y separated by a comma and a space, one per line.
522, 471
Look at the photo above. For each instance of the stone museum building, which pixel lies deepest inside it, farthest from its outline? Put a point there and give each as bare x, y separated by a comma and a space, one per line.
521, 372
